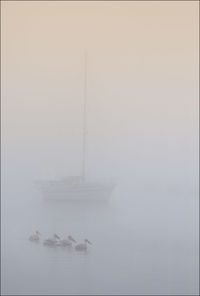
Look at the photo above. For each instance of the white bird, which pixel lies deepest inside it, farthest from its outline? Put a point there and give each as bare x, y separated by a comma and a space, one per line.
54, 241
83, 246
67, 242
35, 237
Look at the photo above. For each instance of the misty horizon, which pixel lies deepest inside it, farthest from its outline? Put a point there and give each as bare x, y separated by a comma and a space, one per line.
141, 133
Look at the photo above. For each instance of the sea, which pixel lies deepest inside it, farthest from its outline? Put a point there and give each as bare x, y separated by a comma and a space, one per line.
144, 242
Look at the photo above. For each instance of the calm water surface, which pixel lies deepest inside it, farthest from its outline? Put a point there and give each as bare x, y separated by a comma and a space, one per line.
142, 244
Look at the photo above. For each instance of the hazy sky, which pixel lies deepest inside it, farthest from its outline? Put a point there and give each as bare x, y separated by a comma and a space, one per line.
142, 131
142, 88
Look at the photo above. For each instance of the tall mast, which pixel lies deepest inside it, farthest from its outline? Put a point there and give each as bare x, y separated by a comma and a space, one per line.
84, 116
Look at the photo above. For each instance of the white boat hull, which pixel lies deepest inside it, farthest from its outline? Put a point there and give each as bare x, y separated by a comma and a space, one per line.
57, 190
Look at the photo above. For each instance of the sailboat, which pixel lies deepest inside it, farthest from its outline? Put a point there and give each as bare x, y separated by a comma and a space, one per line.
77, 188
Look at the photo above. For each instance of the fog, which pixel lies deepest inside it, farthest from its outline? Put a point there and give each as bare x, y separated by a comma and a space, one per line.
141, 133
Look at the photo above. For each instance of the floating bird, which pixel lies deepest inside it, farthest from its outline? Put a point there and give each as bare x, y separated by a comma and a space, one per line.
35, 237
83, 246
54, 241
67, 242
